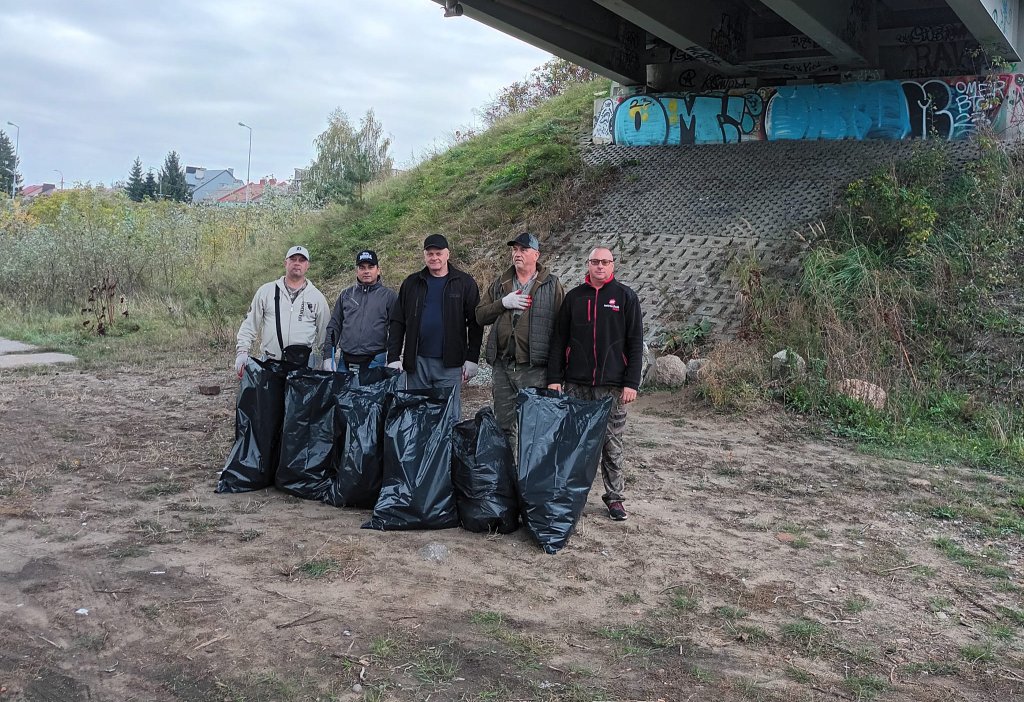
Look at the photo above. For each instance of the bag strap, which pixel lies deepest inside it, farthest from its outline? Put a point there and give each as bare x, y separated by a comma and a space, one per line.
277, 317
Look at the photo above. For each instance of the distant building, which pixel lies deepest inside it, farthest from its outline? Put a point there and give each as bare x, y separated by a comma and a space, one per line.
207, 184
31, 192
256, 191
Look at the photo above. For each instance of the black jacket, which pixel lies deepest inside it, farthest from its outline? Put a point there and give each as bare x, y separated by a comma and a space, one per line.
462, 335
598, 337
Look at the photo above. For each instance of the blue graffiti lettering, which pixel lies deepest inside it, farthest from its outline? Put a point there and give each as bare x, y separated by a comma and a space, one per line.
846, 111
687, 118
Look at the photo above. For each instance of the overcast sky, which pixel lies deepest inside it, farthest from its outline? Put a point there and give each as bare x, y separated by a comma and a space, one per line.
95, 84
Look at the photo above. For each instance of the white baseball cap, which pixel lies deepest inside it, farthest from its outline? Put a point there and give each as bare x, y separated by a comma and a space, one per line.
300, 250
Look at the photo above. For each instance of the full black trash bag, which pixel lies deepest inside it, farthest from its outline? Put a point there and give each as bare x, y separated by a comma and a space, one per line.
359, 414
253, 460
483, 474
417, 490
310, 432
560, 441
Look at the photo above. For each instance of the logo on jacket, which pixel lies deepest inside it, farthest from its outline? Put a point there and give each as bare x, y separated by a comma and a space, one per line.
612, 305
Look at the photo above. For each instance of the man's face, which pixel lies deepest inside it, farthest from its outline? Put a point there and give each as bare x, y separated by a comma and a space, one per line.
296, 265
601, 265
524, 258
436, 260
366, 273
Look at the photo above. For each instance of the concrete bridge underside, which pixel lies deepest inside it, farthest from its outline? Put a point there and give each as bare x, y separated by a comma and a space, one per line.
667, 45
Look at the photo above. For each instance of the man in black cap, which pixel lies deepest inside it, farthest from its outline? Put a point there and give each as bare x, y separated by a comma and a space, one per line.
434, 322
521, 306
359, 323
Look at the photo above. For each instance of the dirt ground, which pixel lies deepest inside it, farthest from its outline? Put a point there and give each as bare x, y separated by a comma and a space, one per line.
759, 562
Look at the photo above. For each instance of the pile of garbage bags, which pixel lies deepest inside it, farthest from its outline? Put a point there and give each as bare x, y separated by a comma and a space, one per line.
362, 440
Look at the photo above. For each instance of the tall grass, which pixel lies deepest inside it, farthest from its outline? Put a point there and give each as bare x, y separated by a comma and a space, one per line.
910, 285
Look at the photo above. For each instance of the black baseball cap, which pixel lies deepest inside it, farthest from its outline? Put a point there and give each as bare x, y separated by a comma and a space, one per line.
526, 240
366, 256
435, 241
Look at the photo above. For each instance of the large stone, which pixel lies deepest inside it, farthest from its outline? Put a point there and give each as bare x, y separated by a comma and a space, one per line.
788, 364
20, 360
693, 368
669, 371
868, 393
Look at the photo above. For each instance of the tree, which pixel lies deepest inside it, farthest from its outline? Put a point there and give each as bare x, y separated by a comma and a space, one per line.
136, 188
544, 82
347, 159
9, 175
172, 180
150, 187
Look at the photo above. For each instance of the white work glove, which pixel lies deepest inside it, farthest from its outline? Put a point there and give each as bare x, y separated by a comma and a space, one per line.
397, 365
328, 364
469, 370
241, 358
516, 300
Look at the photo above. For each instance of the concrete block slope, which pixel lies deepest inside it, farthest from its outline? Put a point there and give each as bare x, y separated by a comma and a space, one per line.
677, 216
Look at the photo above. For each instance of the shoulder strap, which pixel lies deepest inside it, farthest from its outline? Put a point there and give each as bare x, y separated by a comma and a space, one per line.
277, 317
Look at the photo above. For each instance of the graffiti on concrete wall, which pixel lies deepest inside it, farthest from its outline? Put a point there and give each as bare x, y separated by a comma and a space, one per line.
945, 108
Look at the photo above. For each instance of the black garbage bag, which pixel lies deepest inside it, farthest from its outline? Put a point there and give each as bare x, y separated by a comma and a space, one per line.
310, 432
417, 489
560, 440
253, 460
360, 411
483, 474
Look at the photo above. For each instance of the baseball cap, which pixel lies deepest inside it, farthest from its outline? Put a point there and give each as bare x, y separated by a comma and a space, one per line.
366, 256
435, 241
300, 250
526, 240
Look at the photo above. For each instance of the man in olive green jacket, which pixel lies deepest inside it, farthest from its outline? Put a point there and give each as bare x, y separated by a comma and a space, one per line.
521, 306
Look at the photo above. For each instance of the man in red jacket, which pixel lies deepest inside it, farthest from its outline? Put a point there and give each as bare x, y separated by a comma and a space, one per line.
597, 352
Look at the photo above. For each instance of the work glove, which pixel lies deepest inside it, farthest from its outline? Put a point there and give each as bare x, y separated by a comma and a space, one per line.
516, 300
329, 364
469, 370
397, 365
241, 358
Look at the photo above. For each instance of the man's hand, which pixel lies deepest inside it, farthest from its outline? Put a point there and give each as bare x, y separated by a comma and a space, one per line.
241, 358
516, 300
397, 365
555, 386
469, 370
329, 364
628, 395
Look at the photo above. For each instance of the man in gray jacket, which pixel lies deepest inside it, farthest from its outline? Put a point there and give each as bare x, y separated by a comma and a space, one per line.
521, 306
359, 324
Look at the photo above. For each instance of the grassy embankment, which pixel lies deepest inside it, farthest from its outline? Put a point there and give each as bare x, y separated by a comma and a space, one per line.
188, 272
912, 284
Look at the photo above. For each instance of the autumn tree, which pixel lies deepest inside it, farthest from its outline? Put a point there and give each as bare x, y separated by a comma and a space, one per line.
544, 82
348, 158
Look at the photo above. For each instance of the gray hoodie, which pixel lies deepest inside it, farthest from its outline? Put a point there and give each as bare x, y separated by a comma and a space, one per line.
359, 323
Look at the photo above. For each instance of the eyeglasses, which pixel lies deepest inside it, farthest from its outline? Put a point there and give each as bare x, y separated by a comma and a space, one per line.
601, 261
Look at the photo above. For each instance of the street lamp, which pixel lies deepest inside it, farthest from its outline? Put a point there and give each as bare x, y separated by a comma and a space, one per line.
248, 164
17, 141
57, 170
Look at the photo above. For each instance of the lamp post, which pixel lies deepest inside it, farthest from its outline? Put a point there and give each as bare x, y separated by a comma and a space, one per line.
248, 163
57, 170
17, 142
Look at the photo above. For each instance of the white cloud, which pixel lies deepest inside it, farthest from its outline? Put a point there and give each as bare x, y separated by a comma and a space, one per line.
93, 85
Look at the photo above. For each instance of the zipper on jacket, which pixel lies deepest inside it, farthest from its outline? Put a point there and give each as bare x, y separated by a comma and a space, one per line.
597, 293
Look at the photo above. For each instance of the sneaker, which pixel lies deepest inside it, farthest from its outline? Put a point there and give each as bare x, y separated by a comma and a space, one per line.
616, 511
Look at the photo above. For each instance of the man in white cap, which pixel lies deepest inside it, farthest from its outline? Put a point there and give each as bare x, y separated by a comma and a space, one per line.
288, 317
359, 323
521, 306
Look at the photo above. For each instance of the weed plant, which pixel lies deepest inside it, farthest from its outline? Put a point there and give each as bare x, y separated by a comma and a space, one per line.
909, 286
